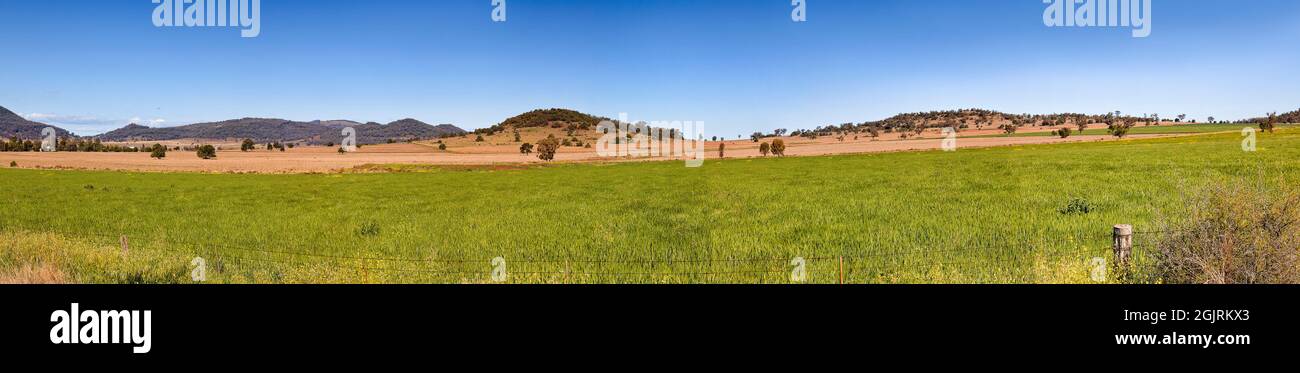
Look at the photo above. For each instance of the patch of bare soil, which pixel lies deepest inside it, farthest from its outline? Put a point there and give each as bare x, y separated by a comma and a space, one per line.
497, 151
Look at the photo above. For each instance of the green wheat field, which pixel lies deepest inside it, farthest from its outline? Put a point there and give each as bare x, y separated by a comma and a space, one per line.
993, 215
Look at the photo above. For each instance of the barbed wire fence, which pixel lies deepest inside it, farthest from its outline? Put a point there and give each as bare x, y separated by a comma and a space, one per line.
1012, 261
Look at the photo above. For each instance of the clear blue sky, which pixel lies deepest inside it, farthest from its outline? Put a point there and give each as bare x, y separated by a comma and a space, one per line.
738, 65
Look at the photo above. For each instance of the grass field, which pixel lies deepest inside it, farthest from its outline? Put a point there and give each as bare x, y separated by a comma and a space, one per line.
972, 216
1139, 129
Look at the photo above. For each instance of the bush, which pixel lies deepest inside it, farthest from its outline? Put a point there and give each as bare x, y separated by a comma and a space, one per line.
764, 148
442, 146
368, 229
13, 163
1268, 124
479, 138
1232, 234
526, 148
157, 151
1063, 133
1077, 206
546, 148
778, 147
1010, 129
207, 152
247, 145
1119, 130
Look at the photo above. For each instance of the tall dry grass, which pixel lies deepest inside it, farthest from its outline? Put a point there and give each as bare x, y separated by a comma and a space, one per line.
1242, 232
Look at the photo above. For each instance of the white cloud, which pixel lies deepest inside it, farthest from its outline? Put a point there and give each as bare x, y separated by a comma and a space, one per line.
88, 125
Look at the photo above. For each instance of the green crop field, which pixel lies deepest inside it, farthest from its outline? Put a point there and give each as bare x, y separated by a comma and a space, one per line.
1140, 129
993, 215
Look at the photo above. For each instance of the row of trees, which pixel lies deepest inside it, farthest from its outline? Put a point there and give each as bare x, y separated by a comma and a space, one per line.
915, 124
249, 145
65, 145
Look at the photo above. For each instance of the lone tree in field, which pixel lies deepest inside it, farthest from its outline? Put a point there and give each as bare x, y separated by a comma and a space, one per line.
207, 152
546, 148
764, 149
1267, 124
526, 148
442, 146
1119, 130
1063, 133
778, 147
1082, 124
247, 145
1010, 129
157, 151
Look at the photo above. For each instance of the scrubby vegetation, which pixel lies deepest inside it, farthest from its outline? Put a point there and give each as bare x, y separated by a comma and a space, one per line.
1242, 232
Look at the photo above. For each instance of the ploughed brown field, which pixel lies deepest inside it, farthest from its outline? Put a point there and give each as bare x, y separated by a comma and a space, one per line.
495, 150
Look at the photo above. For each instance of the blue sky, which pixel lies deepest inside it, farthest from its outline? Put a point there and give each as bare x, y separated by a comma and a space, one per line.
738, 65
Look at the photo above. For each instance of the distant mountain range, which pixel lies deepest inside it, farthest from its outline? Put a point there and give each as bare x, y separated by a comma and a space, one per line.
280, 130
256, 129
14, 125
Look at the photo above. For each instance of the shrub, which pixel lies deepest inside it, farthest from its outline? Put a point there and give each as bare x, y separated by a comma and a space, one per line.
1077, 206
247, 145
368, 229
1010, 129
1238, 233
722, 149
157, 151
442, 146
1063, 133
13, 163
778, 147
342, 151
764, 148
526, 148
1267, 124
1120, 130
479, 138
207, 152
546, 148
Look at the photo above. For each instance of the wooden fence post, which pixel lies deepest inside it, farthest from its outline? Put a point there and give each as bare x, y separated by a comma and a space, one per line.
1123, 246
126, 247
841, 270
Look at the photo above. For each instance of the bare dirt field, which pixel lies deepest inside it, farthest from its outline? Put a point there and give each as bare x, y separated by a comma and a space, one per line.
495, 150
